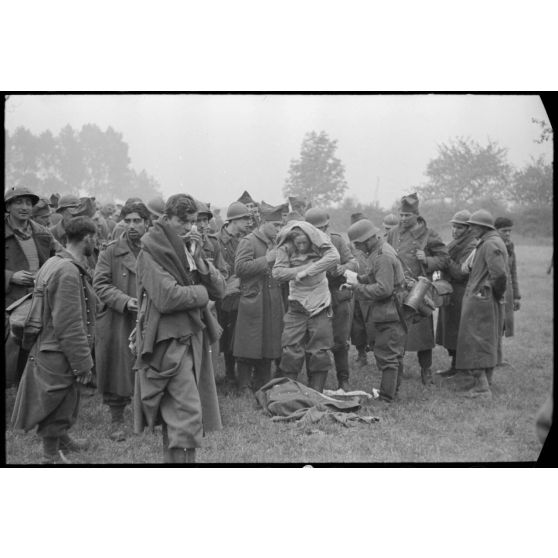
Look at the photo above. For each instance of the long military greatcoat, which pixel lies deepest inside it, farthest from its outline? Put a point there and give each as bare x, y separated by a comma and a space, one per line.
115, 284
449, 316
64, 343
479, 328
421, 334
260, 311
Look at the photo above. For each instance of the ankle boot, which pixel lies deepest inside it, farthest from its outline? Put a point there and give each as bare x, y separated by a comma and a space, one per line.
480, 388
426, 376
244, 370
50, 451
489, 374
118, 430
341, 358
318, 380
73, 444
177, 455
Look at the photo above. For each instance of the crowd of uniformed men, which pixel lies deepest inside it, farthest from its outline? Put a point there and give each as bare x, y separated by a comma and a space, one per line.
140, 299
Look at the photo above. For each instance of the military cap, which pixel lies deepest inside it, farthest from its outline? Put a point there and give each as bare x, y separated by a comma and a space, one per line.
357, 217
203, 209
273, 214
246, 198
409, 204
237, 210
156, 206
503, 223
41, 208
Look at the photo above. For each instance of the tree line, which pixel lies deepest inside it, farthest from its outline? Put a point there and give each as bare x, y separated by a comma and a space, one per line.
86, 162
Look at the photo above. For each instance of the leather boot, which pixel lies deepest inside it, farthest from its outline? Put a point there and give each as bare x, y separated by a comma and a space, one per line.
318, 380
480, 388
426, 376
70, 444
244, 370
489, 374
50, 451
177, 455
190, 455
388, 386
362, 357
118, 430
262, 373
341, 358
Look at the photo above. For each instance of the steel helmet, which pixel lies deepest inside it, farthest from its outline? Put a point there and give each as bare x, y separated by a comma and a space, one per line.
317, 217
362, 230
156, 206
483, 218
237, 210
20, 192
390, 220
461, 217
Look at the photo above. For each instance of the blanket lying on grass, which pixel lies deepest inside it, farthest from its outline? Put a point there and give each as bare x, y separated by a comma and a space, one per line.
284, 399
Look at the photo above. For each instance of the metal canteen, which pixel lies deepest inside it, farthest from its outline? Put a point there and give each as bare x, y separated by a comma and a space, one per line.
416, 297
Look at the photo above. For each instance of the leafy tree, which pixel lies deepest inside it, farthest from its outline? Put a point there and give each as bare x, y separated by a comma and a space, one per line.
546, 133
465, 171
317, 175
532, 185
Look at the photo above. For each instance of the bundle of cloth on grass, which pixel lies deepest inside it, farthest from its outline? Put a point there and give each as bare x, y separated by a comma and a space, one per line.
287, 400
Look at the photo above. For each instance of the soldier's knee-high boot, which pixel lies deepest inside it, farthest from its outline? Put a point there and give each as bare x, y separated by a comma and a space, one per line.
262, 373
388, 386
341, 357
244, 369
318, 380
50, 450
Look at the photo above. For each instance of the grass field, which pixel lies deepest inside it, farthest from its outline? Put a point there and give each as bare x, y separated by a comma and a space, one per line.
424, 426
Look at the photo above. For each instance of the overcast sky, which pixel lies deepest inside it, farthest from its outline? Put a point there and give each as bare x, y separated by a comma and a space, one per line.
216, 146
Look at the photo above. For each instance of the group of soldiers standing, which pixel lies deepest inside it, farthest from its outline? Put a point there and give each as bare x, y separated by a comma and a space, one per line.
141, 303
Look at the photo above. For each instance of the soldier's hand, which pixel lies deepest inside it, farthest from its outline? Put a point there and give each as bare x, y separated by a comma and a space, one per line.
465, 268
24, 278
271, 255
516, 305
421, 256
338, 271
301, 275
84, 378
133, 305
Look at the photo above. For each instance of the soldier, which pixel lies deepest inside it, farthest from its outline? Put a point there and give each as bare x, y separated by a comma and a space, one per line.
361, 337
389, 222
156, 207
48, 395
304, 255
107, 211
512, 300
341, 299
261, 309
28, 246
71, 206
459, 249
383, 284
115, 285
237, 225
421, 252
479, 327
174, 381
211, 247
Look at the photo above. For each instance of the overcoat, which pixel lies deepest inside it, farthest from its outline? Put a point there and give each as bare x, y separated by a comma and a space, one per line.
406, 243
512, 291
115, 284
260, 310
63, 346
164, 311
448, 316
479, 327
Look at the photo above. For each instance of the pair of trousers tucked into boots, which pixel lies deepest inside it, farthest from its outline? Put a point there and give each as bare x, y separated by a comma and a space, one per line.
389, 347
